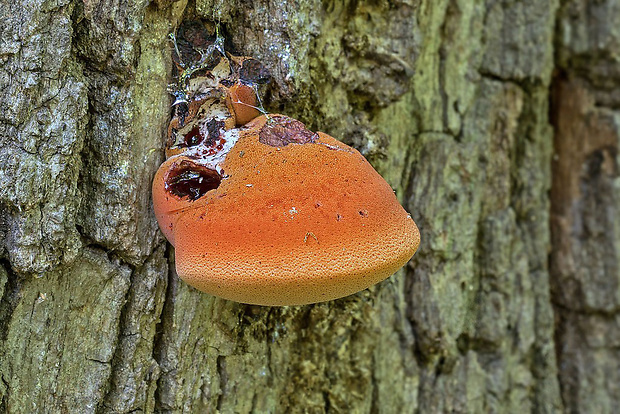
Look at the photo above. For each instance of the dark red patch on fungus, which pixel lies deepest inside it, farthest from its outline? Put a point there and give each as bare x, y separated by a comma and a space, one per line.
280, 131
187, 179
193, 137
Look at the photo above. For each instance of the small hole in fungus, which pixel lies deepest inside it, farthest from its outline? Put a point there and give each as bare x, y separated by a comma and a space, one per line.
193, 137
188, 179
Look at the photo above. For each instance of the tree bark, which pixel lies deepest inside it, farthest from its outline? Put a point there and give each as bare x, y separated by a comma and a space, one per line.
496, 122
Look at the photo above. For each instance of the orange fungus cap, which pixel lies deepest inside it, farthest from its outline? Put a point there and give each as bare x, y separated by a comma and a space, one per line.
296, 217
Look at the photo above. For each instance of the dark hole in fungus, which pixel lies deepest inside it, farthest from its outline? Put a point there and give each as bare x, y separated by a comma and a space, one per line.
252, 71
280, 131
193, 137
187, 179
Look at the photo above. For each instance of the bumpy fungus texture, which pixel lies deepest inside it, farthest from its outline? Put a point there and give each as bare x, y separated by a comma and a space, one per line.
271, 213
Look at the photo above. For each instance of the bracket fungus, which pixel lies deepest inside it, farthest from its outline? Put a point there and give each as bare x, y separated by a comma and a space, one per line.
262, 210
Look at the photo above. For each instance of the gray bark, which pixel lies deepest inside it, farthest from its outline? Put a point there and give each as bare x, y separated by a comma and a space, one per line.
496, 122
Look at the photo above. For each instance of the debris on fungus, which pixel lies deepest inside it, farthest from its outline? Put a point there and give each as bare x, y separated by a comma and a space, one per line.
262, 210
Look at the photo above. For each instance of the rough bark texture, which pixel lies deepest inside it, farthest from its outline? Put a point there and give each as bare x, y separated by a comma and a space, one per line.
496, 122
585, 226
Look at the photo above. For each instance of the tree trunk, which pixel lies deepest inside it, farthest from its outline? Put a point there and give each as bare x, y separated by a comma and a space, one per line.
496, 122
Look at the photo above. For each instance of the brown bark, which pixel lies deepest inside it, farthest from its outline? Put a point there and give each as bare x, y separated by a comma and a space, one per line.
584, 206
510, 304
